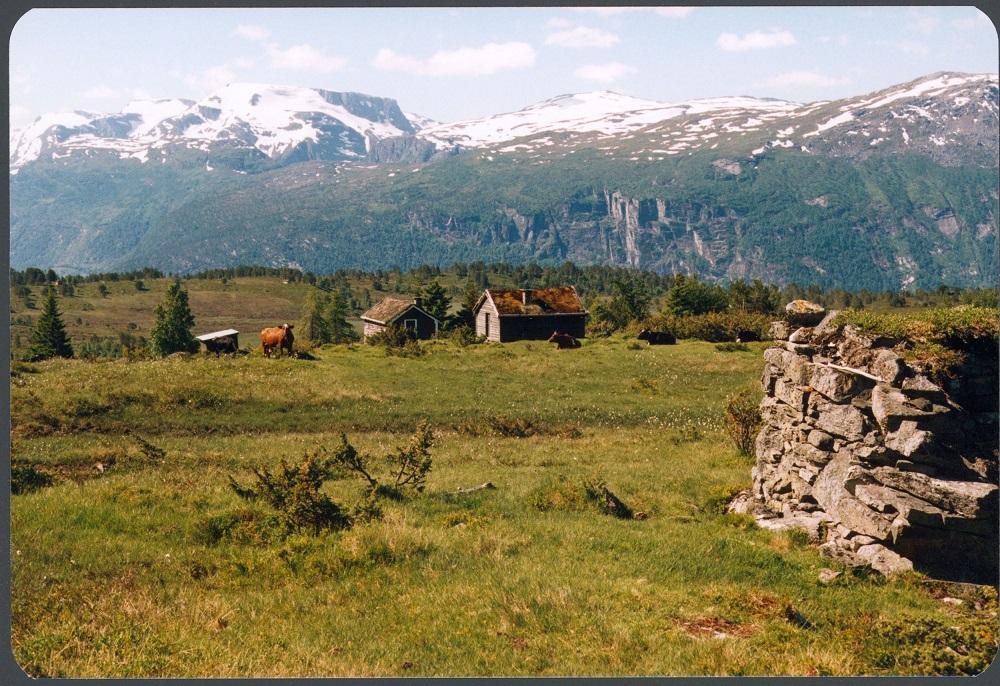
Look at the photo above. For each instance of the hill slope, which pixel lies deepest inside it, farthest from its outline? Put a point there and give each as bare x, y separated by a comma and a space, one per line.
889, 189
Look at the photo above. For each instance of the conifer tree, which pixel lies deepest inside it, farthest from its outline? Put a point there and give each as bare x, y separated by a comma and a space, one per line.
172, 330
49, 339
465, 315
436, 301
337, 311
314, 326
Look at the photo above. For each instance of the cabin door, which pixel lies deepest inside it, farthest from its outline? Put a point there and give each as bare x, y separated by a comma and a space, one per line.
487, 320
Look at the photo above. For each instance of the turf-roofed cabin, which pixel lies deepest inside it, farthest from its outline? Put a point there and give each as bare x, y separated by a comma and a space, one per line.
405, 313
529, 314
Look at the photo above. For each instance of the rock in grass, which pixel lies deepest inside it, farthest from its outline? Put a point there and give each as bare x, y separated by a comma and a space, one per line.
827, 575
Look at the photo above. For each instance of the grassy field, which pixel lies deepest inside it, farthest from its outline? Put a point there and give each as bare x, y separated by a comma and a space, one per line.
124, 572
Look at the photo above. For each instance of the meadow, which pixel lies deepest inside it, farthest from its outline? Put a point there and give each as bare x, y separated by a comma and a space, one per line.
132, 556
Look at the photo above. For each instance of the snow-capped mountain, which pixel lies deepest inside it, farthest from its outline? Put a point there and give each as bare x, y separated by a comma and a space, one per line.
894, 188
286, 122
604, 112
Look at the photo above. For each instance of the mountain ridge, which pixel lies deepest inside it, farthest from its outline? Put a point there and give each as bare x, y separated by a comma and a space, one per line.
888, 189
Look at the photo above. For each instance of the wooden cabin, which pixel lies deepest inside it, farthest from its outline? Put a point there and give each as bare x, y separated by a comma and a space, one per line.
529, 314
405, 312
225, 341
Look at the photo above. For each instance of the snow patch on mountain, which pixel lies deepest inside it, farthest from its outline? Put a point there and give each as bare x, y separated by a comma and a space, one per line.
605, 112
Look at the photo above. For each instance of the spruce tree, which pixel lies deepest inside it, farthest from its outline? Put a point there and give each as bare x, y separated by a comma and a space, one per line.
49, 338
172, 331
313, 325
341, 330
466, 315
436, 301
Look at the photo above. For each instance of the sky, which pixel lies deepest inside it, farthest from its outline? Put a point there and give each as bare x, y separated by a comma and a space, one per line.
451, 64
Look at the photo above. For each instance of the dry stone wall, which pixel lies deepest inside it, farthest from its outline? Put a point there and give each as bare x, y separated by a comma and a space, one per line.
882, 465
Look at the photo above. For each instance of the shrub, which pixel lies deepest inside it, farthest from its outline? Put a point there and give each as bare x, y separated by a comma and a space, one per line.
742, 419
464, 335
715, 327
397, 340
295, 493
732, 347
946, 325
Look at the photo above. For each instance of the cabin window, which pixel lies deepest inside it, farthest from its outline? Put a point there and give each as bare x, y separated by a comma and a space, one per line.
410, 324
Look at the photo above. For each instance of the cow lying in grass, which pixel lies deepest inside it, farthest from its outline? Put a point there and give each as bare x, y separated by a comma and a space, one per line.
563, 340
279, 337
657, 337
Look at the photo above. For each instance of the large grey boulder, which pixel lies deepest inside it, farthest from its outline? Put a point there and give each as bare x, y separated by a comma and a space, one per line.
804, 313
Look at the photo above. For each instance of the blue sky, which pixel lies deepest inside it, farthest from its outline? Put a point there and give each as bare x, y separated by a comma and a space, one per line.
452, 64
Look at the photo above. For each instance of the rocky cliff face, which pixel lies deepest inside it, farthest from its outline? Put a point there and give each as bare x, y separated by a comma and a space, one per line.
881, 464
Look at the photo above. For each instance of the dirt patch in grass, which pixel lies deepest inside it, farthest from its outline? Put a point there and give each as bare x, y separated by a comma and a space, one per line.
716, 627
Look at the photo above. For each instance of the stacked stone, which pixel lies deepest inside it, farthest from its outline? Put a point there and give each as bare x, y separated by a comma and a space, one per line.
879, 464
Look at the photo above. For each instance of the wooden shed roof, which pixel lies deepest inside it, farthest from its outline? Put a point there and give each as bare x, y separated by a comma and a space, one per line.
388, 310
536, 301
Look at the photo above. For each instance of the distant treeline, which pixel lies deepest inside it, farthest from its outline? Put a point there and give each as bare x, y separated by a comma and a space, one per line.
591, 281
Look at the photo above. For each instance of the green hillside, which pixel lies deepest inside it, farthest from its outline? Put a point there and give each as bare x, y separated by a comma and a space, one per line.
878, 223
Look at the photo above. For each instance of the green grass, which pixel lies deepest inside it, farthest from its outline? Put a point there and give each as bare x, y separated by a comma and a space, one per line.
115, 573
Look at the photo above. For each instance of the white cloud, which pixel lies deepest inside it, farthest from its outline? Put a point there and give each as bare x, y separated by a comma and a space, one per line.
604, 73
582, 37
251, 32
558, 23
140, 94
210, 79
755, 40
100, 93
804, 79
305, 58
244, 62
485, 59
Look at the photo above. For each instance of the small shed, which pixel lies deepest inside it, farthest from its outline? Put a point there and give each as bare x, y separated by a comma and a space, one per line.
225, 341
529, 314
405, 312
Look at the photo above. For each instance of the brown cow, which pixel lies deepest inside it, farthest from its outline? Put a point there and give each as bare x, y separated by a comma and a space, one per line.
563, 340
279, 337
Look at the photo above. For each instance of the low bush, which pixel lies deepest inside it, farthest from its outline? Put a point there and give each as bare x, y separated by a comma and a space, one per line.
295, 491
393, 337
945, 325
714, 327
732, 347
742, 419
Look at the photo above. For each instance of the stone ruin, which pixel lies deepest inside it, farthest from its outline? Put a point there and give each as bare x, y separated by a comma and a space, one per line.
882, 463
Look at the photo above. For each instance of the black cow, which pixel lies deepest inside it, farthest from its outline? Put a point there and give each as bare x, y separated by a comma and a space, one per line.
657, 337
745, 336
226, 344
